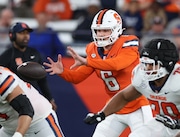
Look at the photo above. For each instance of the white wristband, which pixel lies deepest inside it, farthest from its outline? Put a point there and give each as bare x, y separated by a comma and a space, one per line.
17, 134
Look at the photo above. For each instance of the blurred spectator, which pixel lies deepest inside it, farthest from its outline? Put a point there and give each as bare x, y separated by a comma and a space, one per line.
132, 18
22, 8
45, 40
173, 29
154, 10
175, 36
157, 30
172, 8
83, 32
55, 9
173, 23
143, 5
108, 4
6, 17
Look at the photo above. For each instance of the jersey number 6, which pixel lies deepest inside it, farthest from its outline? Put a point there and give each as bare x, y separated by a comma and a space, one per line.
110, 81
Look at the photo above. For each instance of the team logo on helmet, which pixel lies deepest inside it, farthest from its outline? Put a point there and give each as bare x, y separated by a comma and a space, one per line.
117, 17
145, 53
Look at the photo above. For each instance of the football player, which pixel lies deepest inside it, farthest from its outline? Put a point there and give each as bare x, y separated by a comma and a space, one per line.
112, 56
156, 77
24, 112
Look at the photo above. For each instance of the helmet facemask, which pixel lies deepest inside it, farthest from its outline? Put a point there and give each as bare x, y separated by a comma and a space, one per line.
111, 21
106, 40
157, 70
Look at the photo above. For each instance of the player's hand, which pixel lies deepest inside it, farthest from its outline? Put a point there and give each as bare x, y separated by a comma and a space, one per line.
54, 67
92, 118
77, 58
54, 106
168, 121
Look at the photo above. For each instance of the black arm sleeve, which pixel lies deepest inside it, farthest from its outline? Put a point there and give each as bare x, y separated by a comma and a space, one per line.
22, 105
43, 85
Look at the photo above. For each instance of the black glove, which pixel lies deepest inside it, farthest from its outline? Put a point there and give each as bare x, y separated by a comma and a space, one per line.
168, 121
92, 118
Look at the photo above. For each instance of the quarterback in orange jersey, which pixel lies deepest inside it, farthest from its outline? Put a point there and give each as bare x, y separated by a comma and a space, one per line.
112, 56
156, 78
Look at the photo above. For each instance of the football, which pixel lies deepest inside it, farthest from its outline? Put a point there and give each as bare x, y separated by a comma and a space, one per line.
31, 71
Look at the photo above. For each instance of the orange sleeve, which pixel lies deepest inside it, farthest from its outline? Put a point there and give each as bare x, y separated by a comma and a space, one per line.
78, 75
127, 56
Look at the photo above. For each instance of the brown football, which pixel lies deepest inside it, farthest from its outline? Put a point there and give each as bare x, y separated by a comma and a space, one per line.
31, 71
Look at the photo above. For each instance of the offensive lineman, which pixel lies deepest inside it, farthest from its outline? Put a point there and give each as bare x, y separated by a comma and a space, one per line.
112, 56
23, 111
157, 78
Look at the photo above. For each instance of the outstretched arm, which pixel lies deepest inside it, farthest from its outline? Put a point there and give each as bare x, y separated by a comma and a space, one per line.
54, 67
77, 58
120, 100
57, 67
116, 103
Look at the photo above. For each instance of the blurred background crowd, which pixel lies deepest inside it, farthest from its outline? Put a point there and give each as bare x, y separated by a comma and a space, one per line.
59, 23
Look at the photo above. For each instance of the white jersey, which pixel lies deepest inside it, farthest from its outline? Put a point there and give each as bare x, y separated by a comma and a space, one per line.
167, 100
8, 116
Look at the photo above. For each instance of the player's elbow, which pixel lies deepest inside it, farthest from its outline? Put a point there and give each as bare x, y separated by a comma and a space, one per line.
22, 105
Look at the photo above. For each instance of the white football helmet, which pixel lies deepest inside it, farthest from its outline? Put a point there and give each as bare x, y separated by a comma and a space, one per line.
106, 19
157, 70
162, 55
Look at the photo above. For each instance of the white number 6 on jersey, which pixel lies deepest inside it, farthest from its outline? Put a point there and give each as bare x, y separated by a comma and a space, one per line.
110, 81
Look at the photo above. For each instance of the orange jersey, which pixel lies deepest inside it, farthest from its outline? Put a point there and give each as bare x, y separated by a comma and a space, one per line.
114, 68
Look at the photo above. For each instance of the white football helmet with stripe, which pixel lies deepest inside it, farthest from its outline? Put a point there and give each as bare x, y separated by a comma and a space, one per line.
106, 19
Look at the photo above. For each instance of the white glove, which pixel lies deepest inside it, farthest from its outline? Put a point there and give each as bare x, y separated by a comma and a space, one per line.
17, 134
